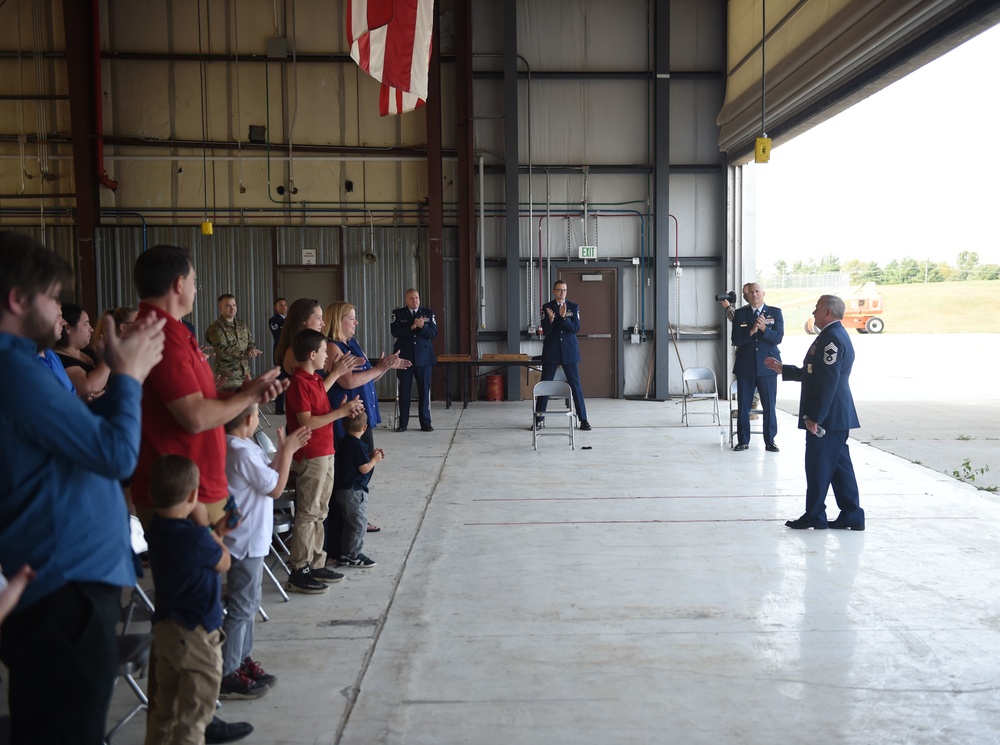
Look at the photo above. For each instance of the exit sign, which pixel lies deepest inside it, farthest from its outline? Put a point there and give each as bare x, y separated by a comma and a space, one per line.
588, 252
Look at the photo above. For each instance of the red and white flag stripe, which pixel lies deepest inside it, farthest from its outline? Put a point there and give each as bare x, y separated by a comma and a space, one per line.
391, 41
394, 101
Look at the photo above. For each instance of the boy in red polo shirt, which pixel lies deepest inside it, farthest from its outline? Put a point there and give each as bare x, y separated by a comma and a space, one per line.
307, 405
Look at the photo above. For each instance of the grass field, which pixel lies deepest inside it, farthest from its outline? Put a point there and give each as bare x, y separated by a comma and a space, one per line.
936, 308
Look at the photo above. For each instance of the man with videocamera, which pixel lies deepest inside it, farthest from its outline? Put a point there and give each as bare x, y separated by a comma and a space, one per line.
728, 301
757, 331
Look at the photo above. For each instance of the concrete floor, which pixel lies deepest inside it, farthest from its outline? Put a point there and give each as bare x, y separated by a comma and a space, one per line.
642, 590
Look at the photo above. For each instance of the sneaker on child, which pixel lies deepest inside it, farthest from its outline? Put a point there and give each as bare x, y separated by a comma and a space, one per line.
256, 673
325, 574
359, 560
302, 580
238, 686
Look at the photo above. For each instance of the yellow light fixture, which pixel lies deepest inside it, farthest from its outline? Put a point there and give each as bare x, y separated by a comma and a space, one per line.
762, 145
762, 150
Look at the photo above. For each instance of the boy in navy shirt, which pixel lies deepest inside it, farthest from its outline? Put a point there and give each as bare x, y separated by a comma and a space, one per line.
353, 470
186, 555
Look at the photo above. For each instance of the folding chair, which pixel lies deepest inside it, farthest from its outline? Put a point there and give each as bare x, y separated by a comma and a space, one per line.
282, 523
133, 660
553, 389
699, 385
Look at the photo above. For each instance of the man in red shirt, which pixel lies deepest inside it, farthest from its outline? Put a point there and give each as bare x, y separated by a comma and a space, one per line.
182, 413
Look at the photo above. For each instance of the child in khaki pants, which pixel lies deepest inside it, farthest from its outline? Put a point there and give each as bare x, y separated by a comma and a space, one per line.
186, 555
307, 405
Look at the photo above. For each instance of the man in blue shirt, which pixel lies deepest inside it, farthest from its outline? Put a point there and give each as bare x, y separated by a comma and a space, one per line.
62, 511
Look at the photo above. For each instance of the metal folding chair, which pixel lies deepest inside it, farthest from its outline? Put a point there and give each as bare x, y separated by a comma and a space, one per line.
553, 389
699, 385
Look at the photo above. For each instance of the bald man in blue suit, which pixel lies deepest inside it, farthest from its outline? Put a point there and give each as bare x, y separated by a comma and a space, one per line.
827, 413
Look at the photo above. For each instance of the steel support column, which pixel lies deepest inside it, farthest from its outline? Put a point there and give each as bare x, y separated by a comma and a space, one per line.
435, 207
80, 60
512, 231
468, 309
661, 197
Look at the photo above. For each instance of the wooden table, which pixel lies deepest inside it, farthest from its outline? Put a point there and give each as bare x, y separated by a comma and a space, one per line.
465, 363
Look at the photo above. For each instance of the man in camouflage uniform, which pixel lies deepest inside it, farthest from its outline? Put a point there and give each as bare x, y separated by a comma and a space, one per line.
234, 347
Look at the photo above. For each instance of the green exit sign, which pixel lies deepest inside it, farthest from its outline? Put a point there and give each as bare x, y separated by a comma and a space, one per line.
588, 252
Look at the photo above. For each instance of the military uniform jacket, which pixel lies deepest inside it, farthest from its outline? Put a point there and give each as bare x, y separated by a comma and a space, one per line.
560, 346
412, 344
275, 323
752, 349
232, 342
826, 394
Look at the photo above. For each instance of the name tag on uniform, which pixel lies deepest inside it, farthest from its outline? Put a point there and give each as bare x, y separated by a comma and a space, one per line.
809, 369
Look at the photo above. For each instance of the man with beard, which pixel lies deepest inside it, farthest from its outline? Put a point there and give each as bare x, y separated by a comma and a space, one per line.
62, 511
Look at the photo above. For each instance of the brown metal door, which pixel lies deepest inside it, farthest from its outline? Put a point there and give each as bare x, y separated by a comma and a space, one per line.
596, 292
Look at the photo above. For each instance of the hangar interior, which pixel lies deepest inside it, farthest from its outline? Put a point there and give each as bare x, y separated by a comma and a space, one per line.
550, 126
563, 603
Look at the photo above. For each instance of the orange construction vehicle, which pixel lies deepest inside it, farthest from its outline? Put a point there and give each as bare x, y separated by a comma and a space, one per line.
864, 308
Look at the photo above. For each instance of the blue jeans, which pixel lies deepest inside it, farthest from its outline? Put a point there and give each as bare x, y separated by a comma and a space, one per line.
353, 504
243, 581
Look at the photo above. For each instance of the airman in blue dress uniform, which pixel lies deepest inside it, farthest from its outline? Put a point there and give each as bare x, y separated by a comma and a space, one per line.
827, 413
560, 324
757, 331
414, 328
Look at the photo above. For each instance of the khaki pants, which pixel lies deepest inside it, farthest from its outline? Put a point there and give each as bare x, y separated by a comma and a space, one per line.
313, 489
188, 674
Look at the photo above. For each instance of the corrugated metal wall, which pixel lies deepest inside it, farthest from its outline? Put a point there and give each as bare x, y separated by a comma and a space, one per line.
379, 264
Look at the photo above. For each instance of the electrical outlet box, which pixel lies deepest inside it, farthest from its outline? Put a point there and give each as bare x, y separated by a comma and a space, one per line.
635, 338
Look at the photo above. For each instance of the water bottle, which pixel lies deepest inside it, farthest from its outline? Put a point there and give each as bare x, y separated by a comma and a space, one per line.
820, 431
722, 438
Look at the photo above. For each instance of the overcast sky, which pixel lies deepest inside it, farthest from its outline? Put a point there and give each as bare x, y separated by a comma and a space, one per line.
910, 171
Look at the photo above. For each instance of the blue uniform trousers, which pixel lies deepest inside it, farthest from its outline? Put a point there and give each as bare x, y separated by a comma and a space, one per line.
573, 378
422, 374
768, 387
828, 463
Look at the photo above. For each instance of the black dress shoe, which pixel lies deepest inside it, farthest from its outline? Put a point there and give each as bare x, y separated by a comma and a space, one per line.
839, 524
426, 428
219, 731
585, 425
771, 448
804, 523
401, 428
741, 446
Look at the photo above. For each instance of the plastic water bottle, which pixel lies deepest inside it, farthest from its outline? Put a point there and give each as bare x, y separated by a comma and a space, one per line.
722, 438
820, 431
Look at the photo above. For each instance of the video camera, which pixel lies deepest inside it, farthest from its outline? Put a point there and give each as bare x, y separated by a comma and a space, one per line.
730, 296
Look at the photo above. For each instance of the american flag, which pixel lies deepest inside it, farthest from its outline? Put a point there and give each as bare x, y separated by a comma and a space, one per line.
391, 41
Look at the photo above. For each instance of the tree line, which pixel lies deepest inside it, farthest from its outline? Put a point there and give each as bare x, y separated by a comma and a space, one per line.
898, 271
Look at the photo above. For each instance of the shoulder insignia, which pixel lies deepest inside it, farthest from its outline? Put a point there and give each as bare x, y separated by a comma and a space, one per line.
830, 353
